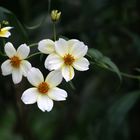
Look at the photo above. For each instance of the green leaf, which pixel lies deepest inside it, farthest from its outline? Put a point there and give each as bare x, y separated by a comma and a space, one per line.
5, 14
102, 61
119, 110
116, 115
95, 54
108, 64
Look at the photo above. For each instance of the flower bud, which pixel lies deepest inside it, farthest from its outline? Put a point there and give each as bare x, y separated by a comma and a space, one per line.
55, 15
5, 22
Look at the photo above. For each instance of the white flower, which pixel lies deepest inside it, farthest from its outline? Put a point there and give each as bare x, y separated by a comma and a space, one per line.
44, 91
68, 55
4, 32
46, 46
16, 65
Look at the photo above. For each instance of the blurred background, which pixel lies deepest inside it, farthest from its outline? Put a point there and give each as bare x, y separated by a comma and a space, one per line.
96, 109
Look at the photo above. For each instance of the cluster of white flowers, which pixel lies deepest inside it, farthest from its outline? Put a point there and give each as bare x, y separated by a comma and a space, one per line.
63, 57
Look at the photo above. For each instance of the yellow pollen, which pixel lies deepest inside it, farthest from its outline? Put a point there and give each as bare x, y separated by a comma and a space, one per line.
68, 59
43, 88
15, 61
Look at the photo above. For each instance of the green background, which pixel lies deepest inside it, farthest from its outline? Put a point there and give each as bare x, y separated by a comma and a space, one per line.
96, 109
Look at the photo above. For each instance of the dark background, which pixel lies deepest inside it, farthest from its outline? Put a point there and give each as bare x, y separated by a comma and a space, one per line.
96, 109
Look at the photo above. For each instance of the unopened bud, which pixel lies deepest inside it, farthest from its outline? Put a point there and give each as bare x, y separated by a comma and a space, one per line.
55, 15
5, 22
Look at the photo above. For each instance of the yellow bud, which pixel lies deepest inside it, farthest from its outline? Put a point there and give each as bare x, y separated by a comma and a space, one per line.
55, 15
4, 22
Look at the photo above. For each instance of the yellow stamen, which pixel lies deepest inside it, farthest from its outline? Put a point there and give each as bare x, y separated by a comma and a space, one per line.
68, 59
15, 61
43, 88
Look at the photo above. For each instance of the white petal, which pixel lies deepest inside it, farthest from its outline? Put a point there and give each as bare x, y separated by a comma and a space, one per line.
25, 67
9, 49
29, 96
46, 46
81, 64
57, 94
6, 28
54, 78
35, 77
44, 103
5, 34
16, 75
68, 73
78, 50
6, 68
71, 42
53, 62
23, 51
61, 47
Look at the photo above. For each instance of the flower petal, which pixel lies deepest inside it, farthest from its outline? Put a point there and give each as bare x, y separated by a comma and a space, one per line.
57, 94
53, 62
29, 96
71, 42
46, 46
5, 34
61, 47
23, 51
54, 78
6, 28
35, 77
68, 73
78, 50
44, 103
25, 67
9, 49
6, 68
81, 64
16, 75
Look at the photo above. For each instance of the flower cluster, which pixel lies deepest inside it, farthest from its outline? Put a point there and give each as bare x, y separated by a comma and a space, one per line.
63, 57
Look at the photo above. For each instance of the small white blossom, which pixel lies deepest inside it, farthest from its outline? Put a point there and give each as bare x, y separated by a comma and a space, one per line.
68, 55
4, 32
16, 64
44, 90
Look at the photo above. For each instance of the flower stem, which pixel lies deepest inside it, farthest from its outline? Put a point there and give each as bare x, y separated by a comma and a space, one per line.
122, 73
54, 31
34, 54
130, 76
33, 45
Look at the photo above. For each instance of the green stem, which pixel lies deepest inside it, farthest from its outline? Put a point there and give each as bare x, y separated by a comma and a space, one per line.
33, 45
49, 6
54, 31
122, 73
72, 85
130, 76
33, 55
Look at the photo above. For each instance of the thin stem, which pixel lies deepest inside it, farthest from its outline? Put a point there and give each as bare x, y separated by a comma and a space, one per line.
72, 85
122, 73
54, 31
130, 76
33, 55
33, 45
49, 6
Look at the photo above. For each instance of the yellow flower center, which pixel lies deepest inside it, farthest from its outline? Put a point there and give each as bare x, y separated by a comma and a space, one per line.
68, 59
43, 88
15, 61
